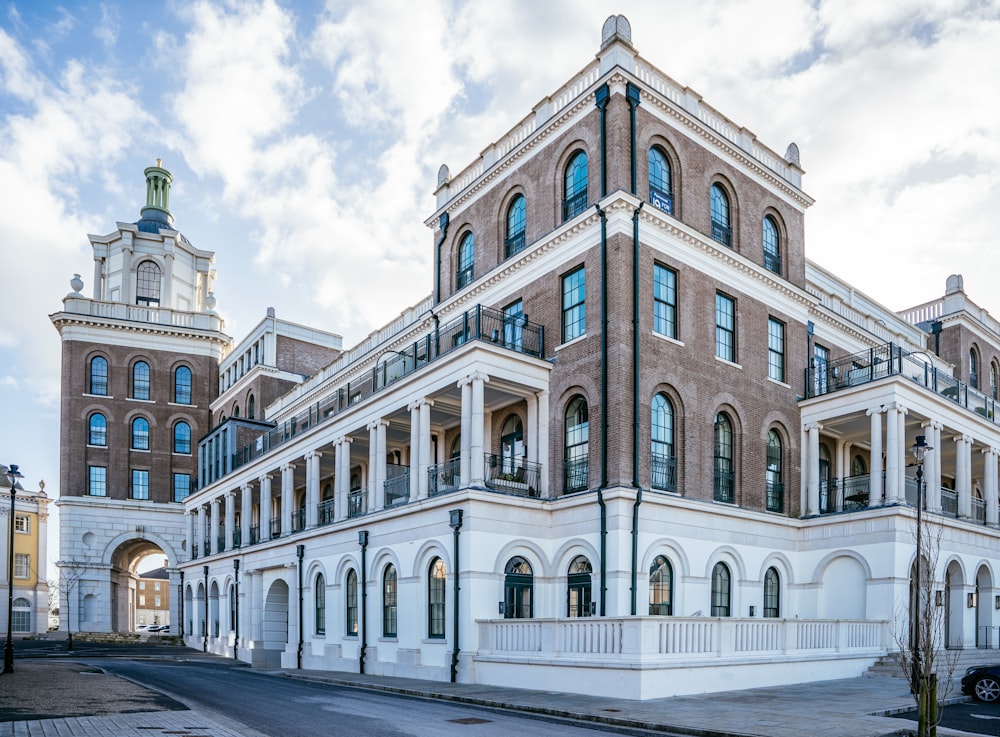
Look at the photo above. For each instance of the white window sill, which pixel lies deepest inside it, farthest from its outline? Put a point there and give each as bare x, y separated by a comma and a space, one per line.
568, 343
667, 338
779, 383
728, 363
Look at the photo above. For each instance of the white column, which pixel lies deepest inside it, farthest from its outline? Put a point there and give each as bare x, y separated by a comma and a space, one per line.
477, 450
543, 441
415, 451
230, 517
246, 514
98, 278
990, 485
464, 467
935, 479
812, 487
875, 492
343, 477
312, 488
965, 489
903, 452
930, 462
841, 466
380, 470
213, 535
189, 535
531, 429
287, 497
265, 507
372, 462
424, 445
891, 454
167, 299
126, 290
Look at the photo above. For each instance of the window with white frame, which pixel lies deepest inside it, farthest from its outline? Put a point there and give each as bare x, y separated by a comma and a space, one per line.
22, 565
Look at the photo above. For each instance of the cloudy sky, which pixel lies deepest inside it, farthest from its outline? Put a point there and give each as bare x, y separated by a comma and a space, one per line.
304, 138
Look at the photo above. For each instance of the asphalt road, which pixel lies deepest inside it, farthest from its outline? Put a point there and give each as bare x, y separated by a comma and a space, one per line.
973, 717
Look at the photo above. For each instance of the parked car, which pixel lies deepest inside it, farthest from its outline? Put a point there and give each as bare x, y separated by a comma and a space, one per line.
142, 627
164, 629
982, 682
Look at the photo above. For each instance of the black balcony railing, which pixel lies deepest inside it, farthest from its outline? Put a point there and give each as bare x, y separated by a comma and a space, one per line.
326, 512
206, 548
254, 534
664, 472
357, 503
574, 205
722, 233
513, 244
949, 502
575, 475
775, 496
772, 261
397, 488
298, 520
444, 477
463, 277
237, 538
275, 527
512, 475
220, 542
724, 486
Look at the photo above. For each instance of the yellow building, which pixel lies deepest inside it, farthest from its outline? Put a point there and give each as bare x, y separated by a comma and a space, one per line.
31, 590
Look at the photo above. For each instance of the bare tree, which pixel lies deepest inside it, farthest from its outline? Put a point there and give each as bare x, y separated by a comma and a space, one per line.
71, 575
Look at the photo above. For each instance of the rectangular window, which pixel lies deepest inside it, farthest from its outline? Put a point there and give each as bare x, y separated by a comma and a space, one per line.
22, 523
574, 318
156, 586
140, 484
513, 326
725, 327
821, 361
156, 602
98, 481
22, 565
664, 301
182, 486
142, 600
776, 349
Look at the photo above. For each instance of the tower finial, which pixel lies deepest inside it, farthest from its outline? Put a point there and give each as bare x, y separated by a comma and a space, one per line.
158, 182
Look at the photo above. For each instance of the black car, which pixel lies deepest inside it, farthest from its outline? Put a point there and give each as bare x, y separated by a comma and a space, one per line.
982, 682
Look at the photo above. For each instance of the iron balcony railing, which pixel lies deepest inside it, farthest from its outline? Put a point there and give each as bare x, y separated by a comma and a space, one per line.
512, 475
237, 538
949, 502
254, 534
326, 516
574, 204
464, 277
357, 503
775, 496
298, 520
275, 527
664, 472
397, 488
772, 261
846, 494
206, 548
576, 475
722, 233
514, 243
979, 510
724, 486
220, 542
510, 332
444, 477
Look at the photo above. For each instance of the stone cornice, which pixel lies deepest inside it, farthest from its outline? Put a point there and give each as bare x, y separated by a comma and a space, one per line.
62, 320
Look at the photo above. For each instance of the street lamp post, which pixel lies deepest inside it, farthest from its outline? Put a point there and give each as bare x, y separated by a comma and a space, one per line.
919, 450
8, 652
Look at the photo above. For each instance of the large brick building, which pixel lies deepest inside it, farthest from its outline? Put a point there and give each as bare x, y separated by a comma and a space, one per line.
633, 441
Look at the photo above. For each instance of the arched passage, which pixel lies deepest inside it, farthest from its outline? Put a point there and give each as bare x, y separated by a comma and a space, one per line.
142, 582
213, 609
984, 608
954, 630
275, 623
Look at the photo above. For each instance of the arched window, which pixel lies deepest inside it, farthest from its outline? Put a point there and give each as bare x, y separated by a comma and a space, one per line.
579, 584
182, 385
98, 430
140, 380
973, 368
575, 192
466, 261
389, 601
994, 378
775, 486
251, 408
98, 376
140, 434
516, 218
661, 193
858, 466
236, 410
319, 610
351, 602
664, 462
772, 246
21, 615
517, 589
725, 478
722, 597
721, 229
435, 599
772, 594
512, 446
147, 289
182, 438
661, 587
827, 500
577, 446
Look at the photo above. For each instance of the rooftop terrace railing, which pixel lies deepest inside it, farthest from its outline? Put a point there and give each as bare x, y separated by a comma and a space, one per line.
484, 324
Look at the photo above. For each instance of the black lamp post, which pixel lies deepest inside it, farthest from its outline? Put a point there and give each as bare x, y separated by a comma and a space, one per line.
8, 652
236, 608
919, 450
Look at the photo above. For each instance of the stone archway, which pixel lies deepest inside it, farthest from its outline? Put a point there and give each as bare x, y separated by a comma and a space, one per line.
985, 632
954, 615
133, 600
275, 623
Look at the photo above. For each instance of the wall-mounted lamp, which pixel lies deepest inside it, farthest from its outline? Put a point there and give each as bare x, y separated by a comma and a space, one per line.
971, 599
362, 537
593, 608
939, 598
455, 518
502, 609
996, 602
753, 610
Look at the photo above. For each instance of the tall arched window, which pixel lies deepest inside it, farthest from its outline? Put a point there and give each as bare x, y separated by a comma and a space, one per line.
140, 434
140, 380
775, 486
661, 193
98, 376
351, 603
518, 581
661, 587
772, 593
575, 192
973, 368
721, 228
435, 599
579, 585
664, 461
577, 445
725, 478
147, 288
20, 620
182, 438
858, 466
722, 596
98, 427
389, 601
512, 446
772, 245
182, 385
516, 220
319, 609
251, 408
466, 261
994, 378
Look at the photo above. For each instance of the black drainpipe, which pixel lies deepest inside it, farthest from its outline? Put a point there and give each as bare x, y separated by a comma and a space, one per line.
936, 328
632, 93
601, 98
635, 391
456, 525
236, 608
204, 643
363, 542
443, 225
604, 405
181, 592
300, 551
